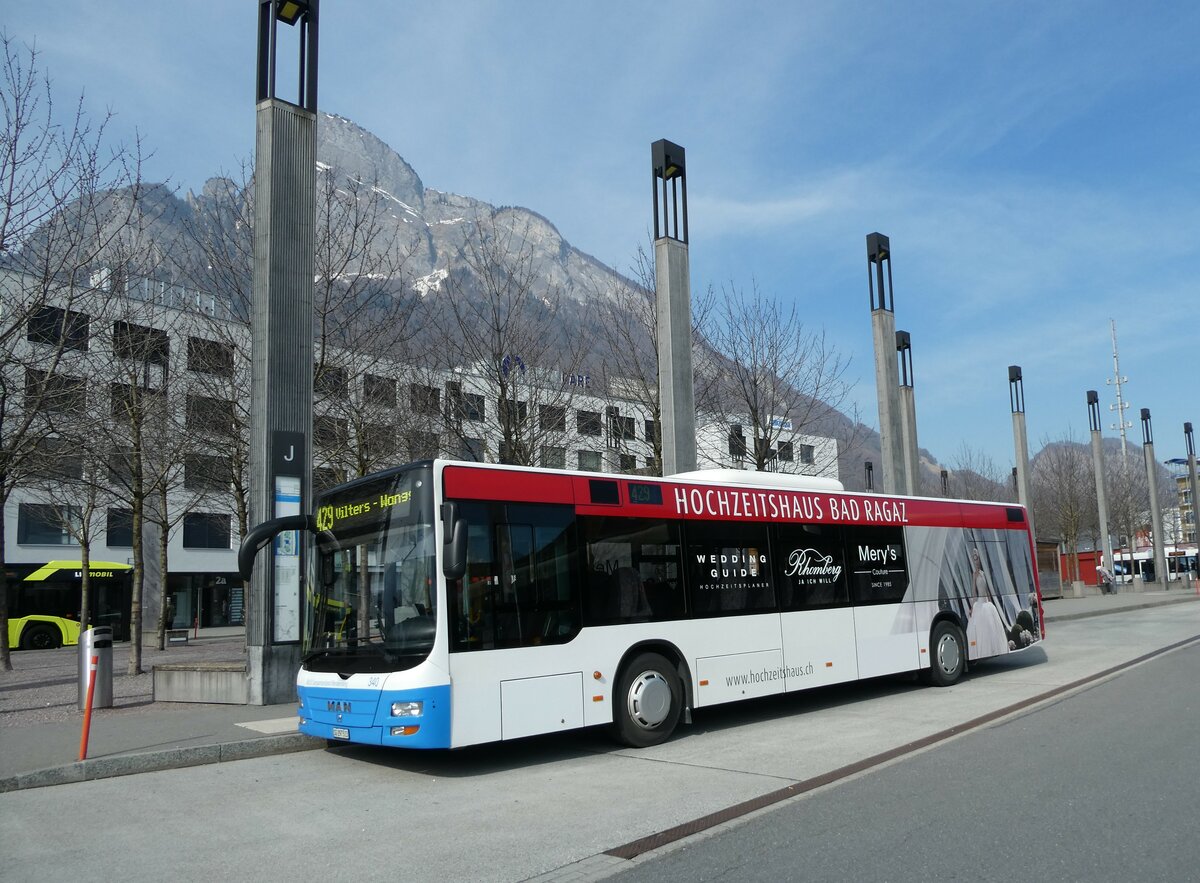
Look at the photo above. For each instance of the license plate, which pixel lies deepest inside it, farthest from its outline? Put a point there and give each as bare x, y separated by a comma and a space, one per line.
341, 733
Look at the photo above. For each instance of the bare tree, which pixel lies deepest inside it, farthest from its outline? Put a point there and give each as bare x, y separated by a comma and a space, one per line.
508, 334
1063, 492
774, 373
628, 341
975, 476
55, 221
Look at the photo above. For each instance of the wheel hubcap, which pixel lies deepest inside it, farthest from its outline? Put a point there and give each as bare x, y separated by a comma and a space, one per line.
949, 654
649, 700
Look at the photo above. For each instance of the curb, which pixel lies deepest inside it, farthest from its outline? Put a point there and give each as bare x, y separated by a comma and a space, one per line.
153, 761
1062, 617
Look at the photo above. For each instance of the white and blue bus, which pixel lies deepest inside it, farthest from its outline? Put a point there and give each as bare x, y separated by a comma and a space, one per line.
451, 604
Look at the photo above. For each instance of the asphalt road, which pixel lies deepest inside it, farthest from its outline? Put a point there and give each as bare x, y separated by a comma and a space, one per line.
557, 806
1102, 785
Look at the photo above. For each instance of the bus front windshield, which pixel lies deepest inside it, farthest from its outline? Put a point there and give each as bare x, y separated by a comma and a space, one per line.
372, 583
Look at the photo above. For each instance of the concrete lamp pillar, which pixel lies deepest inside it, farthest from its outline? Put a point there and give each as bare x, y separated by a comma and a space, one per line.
676, 389
1156, 521
883, 329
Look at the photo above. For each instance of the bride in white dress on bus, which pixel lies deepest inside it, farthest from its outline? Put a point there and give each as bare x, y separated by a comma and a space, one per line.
986, 634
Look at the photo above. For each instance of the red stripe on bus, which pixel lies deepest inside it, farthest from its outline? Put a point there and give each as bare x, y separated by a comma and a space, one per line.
462, 483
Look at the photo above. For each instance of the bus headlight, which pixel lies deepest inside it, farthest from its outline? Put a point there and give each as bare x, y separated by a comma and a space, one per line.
408, 709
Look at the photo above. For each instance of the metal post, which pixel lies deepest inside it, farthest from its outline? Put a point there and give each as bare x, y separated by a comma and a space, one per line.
1016, 399
1156, 522
883, 327
868, 477
676, 392
1093, 402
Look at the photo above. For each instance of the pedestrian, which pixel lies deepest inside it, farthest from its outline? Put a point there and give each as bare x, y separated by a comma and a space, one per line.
1105, 580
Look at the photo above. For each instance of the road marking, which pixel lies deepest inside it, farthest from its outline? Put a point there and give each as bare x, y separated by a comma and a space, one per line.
272, 727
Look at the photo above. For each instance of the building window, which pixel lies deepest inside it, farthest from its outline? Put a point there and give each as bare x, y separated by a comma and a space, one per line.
57, 459
53, 326
462, 405
620, 428
118, 527
329, 380
141, 343
377, 440
425, 400
513, 413
210, 357
737, 443
587, 422
120, 466
786, 454
589, 461
205, 414
379, 390
807, 454
45, 525
205, 530
472, 450
422, 445
653, 432
329, 432
205, 472
131, 402
554, 458
54, 393
472, 406
628, 463
552, 418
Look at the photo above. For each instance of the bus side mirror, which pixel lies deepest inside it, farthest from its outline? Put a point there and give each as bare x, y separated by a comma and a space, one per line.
261, 535
454, 548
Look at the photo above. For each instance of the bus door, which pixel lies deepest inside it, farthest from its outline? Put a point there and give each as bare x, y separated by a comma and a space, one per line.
814, 597
884, 622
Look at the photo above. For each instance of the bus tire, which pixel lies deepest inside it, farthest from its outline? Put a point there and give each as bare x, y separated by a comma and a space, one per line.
40, 637
948, 654
648, 701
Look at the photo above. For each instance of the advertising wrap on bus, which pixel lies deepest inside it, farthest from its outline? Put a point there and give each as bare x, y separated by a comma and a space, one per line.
450, 604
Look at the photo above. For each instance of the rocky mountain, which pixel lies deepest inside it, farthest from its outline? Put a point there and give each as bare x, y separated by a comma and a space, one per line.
204, 240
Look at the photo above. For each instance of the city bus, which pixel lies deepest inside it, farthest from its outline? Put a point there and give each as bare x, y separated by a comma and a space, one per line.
451, 604
44, 602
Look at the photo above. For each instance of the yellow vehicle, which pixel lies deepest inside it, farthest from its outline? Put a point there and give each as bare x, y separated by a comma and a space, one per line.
44, 602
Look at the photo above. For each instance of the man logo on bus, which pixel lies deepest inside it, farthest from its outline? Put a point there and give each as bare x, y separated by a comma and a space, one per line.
340, 707
325, 518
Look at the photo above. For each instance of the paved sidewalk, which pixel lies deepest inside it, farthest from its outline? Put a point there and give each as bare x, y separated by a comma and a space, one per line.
40, 724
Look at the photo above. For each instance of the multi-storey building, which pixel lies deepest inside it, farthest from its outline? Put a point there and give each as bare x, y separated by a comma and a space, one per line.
154, 379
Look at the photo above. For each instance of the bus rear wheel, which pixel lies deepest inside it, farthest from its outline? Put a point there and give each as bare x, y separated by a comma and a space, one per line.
40, 637
648, 701
948, 649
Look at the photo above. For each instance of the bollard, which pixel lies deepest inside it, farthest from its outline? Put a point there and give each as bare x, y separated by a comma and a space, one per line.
87, 708
96, 642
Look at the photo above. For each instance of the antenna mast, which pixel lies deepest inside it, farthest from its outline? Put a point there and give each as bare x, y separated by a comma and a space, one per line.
1116, 380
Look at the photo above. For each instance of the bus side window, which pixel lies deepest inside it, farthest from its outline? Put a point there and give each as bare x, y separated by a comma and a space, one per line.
878, 564
811, 566
633, 568
729, 568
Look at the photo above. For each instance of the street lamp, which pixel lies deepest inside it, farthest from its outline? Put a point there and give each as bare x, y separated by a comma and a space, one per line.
883, 330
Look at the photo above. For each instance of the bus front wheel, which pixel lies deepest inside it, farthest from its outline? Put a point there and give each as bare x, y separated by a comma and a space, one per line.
648, 701
40, 637
949, 651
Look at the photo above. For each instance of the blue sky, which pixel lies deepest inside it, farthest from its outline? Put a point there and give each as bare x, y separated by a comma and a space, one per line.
1035, 165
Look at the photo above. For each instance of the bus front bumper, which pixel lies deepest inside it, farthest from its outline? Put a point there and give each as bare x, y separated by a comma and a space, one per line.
418, 718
